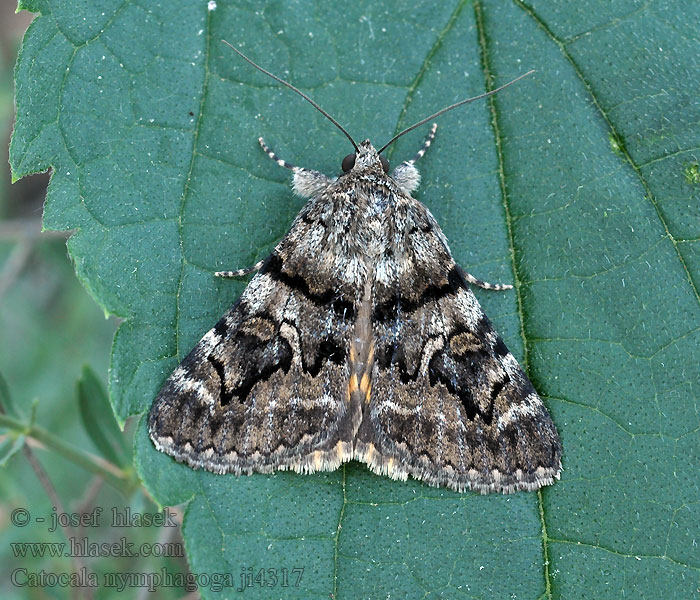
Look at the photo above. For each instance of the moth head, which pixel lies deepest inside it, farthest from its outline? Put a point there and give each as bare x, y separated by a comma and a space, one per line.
366, 157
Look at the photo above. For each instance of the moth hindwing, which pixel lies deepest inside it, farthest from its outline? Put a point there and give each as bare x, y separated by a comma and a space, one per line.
359, 338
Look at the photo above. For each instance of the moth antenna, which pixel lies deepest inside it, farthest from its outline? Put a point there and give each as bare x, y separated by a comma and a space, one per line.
298, 91
444, 110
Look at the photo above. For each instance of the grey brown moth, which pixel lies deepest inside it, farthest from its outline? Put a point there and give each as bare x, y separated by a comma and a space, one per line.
359, 338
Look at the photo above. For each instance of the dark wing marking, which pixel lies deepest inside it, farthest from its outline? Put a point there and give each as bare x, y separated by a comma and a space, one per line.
449, 404
267, 387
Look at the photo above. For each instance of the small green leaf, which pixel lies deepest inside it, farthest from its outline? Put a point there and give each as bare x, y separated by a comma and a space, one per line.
9, 449
98, 419
7, 404
33, 411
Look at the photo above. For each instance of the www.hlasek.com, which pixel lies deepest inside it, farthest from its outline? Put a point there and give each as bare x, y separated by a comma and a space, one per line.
84, 548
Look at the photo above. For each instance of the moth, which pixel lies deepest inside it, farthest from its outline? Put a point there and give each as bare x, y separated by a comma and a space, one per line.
359, 338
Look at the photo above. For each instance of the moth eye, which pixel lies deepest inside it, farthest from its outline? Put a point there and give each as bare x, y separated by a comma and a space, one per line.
348, 163
385, 164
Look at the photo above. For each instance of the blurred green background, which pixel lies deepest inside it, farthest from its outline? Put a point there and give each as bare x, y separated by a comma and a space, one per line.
50, 329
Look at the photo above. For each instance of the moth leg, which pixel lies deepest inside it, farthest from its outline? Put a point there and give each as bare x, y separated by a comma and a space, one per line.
406, 175
240, 272
306, 183
483, 284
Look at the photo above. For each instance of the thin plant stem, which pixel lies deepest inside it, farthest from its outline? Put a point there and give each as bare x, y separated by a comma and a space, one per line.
111, 473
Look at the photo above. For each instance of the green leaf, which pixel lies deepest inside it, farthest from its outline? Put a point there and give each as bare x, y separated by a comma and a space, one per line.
98, 419
573, 184
7, 403
10, 448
